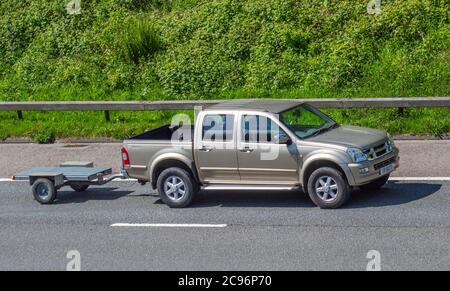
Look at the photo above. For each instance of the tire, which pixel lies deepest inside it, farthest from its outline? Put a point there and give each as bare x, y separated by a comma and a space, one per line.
336, 193
176, 187
374, 185
79, 188
44, 191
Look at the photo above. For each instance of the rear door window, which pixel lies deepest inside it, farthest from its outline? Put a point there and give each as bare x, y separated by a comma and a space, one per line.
218, 127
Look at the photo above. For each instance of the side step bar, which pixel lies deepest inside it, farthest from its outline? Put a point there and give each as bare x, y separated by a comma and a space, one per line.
248, 187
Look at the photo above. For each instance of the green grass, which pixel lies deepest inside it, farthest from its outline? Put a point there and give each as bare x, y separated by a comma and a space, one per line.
80, 124
220, 49
142, 40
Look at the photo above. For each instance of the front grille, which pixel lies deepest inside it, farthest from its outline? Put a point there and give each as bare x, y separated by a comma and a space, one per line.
384, 163
376, 151
380, 150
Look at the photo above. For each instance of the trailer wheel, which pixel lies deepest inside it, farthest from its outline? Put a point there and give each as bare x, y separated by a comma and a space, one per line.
44, 191
176, 187
79, 188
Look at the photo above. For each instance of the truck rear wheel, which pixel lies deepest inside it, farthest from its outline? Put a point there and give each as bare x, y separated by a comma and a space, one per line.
44, 191
327, 188
176, 187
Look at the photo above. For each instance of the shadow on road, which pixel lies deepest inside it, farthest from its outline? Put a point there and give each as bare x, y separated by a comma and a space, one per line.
252, 199
69, 197
393, 193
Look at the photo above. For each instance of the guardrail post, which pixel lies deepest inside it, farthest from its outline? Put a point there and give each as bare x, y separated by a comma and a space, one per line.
107, 116
19, 114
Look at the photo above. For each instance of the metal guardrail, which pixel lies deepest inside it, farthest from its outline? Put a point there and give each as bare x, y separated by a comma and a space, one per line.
107, 106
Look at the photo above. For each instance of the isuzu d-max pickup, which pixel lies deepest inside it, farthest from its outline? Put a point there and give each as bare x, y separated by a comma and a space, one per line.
261, 145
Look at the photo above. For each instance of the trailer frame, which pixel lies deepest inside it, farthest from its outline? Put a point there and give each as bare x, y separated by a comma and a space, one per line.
46, 181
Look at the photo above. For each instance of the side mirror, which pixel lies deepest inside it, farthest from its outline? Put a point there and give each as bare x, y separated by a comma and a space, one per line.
282, 138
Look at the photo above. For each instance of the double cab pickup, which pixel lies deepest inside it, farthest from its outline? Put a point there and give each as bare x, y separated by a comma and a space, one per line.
261, 145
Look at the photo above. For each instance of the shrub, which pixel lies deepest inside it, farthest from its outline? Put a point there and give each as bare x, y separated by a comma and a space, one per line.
3, 136
178, 49
44, 136
141, 39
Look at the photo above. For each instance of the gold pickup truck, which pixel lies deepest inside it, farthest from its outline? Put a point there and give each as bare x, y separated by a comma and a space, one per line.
261, 145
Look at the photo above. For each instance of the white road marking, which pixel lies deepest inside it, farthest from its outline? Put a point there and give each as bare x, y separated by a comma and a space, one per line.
11, 180
419, 179
166, 225
7, 180
390, 179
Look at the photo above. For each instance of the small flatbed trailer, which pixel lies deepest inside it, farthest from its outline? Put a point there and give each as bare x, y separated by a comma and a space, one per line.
46, 181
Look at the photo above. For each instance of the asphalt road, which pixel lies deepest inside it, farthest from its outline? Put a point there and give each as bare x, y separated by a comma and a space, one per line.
408, 222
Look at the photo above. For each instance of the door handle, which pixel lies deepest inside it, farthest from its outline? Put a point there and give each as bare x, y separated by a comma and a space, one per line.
206, 149
246, 150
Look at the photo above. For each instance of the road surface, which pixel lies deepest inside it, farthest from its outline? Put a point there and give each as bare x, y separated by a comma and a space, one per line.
407, 222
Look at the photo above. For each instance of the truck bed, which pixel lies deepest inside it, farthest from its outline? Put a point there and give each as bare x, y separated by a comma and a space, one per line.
162, 133
144, 148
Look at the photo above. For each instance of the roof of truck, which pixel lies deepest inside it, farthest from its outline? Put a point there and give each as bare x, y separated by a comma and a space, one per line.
269, 105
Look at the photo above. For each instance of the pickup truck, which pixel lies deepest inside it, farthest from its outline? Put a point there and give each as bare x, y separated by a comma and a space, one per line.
261, 145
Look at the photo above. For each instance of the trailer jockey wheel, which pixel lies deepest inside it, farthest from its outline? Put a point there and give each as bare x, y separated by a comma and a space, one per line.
79, 188
44, 191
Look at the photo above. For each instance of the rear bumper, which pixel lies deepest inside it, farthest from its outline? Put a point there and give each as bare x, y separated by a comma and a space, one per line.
124, 173
136, 172
359, 177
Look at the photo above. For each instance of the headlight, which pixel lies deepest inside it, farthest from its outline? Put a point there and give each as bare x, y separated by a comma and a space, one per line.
390, 143
357, 155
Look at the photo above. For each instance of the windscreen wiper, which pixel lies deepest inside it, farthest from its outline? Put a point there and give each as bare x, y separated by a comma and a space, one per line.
323, 129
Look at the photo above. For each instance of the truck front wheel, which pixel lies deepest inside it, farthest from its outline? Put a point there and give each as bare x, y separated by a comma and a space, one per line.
327, 188
176, 187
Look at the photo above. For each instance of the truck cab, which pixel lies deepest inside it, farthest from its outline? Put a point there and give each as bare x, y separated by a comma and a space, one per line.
261, 145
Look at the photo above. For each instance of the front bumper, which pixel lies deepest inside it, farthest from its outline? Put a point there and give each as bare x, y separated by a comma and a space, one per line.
360, 178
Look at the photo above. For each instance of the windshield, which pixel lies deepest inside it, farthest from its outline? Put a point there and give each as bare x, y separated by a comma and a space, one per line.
306, 121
